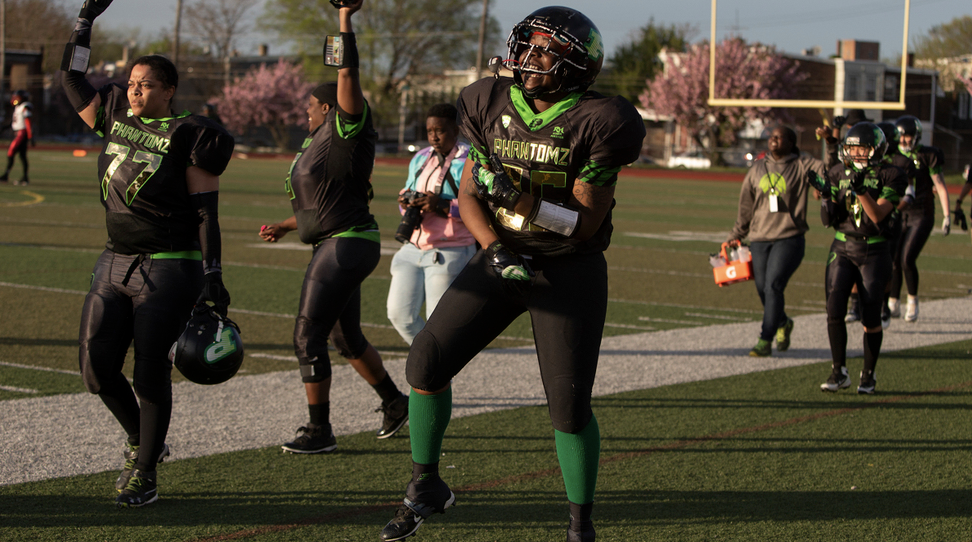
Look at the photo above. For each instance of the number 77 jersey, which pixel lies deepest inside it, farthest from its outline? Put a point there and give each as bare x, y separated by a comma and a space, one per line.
584, 138
142, 174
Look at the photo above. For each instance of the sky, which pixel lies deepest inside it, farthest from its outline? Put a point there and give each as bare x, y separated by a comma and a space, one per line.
790, 25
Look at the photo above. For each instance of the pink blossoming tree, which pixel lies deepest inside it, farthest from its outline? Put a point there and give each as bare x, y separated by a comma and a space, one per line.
273, 97
743, 70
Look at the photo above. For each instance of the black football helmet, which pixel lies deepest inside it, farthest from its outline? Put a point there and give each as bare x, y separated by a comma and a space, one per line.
578, 62
908, 125
210, 350
890, 134
863, 134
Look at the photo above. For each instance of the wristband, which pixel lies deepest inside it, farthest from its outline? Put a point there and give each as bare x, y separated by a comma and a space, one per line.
556, 218
341, 51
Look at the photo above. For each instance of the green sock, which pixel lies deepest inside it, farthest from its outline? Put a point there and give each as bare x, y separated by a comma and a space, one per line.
428, 418
579, 455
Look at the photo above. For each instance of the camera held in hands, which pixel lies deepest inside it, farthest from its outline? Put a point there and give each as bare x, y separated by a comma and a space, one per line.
411, 219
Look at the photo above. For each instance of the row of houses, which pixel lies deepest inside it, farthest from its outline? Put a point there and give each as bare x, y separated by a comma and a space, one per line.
856, 74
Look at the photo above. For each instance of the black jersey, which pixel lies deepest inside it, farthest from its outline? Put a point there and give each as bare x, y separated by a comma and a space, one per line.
885, 181
330, 179
142, 168
584, 138
927, 161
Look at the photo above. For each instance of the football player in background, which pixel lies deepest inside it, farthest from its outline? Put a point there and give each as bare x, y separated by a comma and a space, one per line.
23, 134
330, 187
917, 215
537, 194
857, 200
159, 180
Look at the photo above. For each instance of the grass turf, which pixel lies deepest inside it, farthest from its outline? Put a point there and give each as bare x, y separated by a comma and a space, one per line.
750, 457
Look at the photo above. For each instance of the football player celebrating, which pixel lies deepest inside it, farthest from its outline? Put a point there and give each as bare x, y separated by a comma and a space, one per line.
159, 179
537, 194
23, 134
857, 200
918, 218
330, 188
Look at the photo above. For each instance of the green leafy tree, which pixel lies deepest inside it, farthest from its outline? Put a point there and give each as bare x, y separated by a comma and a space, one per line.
397, 39
35, 25
636, 61
945, 40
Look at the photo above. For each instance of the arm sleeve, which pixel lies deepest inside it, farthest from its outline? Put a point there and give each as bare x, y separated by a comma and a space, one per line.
348, 125
936, 160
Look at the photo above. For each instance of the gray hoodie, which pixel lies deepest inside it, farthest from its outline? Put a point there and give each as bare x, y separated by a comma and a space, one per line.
787, 179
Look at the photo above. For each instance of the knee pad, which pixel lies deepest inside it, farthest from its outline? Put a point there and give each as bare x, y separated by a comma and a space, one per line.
423, 359
314, 371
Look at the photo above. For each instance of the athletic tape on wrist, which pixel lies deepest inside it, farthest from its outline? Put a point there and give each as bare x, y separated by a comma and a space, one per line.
556, 218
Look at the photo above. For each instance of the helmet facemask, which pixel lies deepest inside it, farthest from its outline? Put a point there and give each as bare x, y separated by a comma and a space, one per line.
863, 136
571, 59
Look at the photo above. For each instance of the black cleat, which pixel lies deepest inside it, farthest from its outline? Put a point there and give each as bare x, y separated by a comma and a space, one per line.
395, 416
314, 440
422, 499
867, 385
584, 535
141, 490
131, 457
837, 380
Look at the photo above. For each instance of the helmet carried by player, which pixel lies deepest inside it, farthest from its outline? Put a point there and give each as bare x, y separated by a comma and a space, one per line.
574, 42
908, 126
868, 136
210, 350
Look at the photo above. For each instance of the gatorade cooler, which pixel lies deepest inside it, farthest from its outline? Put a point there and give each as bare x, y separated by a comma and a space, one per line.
733, 271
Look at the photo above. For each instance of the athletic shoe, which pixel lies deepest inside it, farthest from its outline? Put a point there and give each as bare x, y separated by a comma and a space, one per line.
422, 499
783, 335
885, 317
894, 305
141, 490
3, 178
837, 380
867, 384
131, 457
911, 313
395, 416
762, 349
22, 182
585, 535
854, 312
314, 440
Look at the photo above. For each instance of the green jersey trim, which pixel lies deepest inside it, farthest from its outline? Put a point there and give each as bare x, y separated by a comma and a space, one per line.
841, 236
347, 129
148, 120
181, 255
536, 121
889, 194
368, 232
599, 175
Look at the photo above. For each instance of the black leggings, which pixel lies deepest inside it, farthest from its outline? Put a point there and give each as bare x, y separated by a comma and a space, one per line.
567, 302
869, 267
915, 230
152, 309
330, 304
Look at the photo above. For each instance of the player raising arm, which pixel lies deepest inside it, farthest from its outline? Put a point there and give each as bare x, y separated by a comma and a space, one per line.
158, 175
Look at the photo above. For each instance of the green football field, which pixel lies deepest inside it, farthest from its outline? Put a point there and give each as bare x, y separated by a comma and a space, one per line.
742, 458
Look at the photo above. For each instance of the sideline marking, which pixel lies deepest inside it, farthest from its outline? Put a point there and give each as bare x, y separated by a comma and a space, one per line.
36, 198
517, 478
35, 368
17, 390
